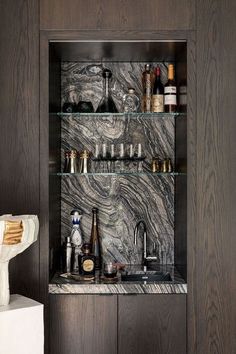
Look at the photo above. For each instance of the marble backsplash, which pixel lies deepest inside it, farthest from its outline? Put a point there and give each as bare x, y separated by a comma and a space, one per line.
123, 199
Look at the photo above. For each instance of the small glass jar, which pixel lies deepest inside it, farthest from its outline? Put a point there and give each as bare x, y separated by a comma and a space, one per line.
131, 101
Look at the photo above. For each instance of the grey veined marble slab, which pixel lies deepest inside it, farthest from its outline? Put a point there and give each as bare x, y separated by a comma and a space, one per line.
61, 285
121, 200
118, 288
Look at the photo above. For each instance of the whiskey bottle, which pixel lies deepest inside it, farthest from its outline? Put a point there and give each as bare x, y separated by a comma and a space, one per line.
170, 91
94, 240
158, 93
87, 262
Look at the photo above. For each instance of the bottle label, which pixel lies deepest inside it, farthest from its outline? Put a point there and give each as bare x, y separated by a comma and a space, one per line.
183, 89
183, 100
148, 85
146, 104
88, 265
170, 100
183, 95
170, 89
157, 103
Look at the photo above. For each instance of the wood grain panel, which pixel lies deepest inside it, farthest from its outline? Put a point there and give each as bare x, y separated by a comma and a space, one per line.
216, 170
152, 324
117, 14
83, 324
19, 128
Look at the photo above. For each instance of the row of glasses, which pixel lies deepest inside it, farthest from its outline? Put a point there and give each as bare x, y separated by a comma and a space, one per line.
105, 159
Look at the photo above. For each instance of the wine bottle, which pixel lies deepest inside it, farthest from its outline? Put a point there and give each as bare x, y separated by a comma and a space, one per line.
158, 93
170, 91
183, 96
94, 240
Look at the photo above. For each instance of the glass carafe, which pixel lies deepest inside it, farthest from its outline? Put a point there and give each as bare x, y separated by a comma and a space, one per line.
130, 101
106, 105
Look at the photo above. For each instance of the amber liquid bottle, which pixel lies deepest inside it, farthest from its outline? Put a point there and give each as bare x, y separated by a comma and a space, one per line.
170, 91
94, 240
147, 79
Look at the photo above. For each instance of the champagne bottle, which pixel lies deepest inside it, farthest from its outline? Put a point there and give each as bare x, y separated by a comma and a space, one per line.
94, 240
170, 91
158, 93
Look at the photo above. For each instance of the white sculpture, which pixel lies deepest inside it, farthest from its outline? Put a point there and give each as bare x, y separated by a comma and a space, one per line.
16, 234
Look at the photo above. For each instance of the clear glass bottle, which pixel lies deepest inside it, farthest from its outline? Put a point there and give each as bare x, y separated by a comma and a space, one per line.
106, 105
131, 101
76, 237
147, 81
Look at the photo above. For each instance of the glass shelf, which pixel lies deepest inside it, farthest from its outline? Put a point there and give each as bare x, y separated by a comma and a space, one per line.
120, 174
137, 115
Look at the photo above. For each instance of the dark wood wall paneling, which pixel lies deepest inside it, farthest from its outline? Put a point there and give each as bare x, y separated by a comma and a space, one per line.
117, 14
215, 287
19, 129
83, 324
152, 324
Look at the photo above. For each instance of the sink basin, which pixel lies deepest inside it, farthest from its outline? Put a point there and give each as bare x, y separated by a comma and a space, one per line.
149, 276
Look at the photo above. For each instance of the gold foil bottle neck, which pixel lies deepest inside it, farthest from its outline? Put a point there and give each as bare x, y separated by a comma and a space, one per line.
170, 72
84, 154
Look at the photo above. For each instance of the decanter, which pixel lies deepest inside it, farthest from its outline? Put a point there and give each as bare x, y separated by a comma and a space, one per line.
131, 101
106, 105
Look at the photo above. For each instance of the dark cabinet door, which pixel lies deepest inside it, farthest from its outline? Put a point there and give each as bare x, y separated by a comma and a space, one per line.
83, 324
19, 129
152, 324
117, 14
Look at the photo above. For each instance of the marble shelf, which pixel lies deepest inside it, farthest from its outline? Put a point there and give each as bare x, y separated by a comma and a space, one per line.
61, 285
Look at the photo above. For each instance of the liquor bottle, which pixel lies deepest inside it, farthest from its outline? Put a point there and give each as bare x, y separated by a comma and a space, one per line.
183, 96
170, 100
147, 89
73, 163
94, 240
130, 101
76, 238
106, 104
67, 255
158, 93
87, 262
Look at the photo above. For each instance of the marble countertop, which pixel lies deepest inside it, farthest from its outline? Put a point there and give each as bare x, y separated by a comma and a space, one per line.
68, 284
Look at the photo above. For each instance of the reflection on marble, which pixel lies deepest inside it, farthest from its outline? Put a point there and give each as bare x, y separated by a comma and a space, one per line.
122, 200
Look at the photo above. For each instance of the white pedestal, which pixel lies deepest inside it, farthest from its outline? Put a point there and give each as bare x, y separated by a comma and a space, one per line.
21, 326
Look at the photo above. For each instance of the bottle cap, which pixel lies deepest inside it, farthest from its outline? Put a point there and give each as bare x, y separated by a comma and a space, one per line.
86, 248
106, 73
158, 71
73, 153
84, 154
131, 90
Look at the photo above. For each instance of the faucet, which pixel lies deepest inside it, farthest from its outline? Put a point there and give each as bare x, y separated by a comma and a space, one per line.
136, 230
